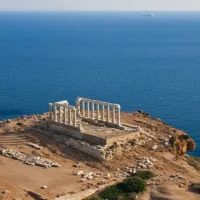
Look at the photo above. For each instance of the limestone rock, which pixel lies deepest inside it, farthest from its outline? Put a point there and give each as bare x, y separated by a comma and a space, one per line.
166, 144
34, 146
44, 187
79, 173
5, 191
154, 147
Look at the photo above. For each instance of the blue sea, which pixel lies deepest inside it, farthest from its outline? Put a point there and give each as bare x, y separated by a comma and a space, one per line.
146, 63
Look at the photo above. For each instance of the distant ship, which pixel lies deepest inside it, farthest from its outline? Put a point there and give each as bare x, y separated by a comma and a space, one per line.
148, 15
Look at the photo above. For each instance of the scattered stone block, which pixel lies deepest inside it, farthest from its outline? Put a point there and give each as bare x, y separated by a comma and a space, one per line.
44, 187
79, 173
5, 191
34, 146
28, 159
154, 147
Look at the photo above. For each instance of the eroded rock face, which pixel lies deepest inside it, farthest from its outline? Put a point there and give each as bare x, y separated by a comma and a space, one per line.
29, 159
182, 143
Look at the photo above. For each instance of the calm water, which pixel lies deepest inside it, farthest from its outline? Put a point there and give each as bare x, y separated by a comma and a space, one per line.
144, 63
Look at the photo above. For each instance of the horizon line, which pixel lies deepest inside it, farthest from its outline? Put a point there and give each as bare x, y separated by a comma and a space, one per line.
99, 10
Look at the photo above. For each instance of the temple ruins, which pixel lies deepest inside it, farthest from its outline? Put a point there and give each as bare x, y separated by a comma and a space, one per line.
92, 121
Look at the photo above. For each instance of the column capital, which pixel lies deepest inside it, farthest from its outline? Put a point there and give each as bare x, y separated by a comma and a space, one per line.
79, 99
118, 106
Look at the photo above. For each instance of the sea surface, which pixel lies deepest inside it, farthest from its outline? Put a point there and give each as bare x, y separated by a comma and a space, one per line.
146, 63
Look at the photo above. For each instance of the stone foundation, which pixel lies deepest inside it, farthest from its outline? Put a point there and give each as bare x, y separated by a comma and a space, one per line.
101, 152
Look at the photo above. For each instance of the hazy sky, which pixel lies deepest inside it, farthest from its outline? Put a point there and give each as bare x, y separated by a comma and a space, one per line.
99, 4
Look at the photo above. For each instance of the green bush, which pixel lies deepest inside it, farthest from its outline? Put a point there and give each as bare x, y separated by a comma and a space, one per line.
126, 190
134, 184
144, 174
195, 187
19, 123
111, 193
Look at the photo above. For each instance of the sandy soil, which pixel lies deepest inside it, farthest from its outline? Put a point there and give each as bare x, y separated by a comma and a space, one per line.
19, 179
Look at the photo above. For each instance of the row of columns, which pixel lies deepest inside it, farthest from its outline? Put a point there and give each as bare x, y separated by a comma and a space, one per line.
89, 111
63, 113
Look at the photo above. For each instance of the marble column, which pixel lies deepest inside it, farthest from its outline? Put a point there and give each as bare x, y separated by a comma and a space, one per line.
50, 111
60, 114
69, 116
119, 117
55, 113
113, 114
88, 109
108, 113
98, 111
102, 117
74, 123
78, 107
65, 115
83, 108
92, 110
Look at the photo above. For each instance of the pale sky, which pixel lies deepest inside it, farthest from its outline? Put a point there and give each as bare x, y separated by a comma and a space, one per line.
29, 5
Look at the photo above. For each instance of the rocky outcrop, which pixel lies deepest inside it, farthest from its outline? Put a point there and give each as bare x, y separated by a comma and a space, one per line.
182, 142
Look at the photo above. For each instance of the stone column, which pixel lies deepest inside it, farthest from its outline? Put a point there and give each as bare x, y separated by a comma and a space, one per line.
78, 107
108, 113
119, 116
50, 111
83, 108
55, 113
113, 115
102, 117
88, 109
65, 115
92, 110
98, 111
60, 114
69, 116
74, 123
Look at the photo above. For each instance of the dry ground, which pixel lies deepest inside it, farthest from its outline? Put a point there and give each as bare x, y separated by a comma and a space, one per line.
19, 179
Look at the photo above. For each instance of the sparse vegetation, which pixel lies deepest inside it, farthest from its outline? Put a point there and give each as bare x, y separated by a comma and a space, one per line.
132, 196
19, 123
195, 187
196, 158
95, 198
194, 161
144, 174
194, 165
172, 141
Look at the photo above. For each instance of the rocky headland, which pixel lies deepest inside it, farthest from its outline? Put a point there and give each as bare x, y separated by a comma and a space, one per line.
41, 165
